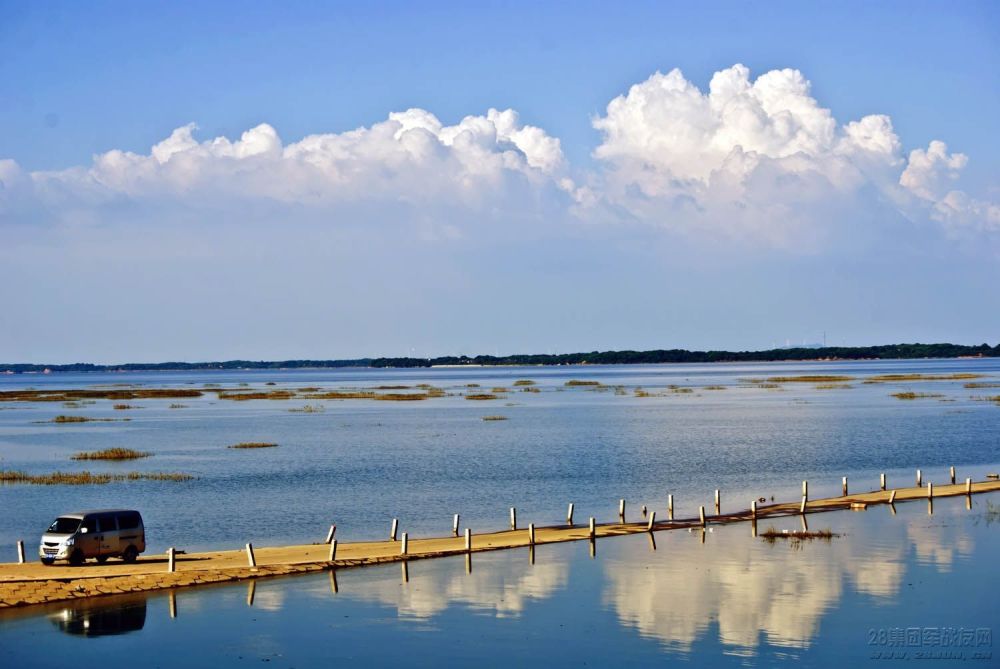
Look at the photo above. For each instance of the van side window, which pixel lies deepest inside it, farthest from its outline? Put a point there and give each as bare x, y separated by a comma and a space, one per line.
128, 521
108, 524
90, 524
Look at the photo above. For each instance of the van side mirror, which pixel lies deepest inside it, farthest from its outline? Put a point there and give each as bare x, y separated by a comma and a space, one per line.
83, 530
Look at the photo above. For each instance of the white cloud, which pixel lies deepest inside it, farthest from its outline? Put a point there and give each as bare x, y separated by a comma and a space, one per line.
756, 159
762, 159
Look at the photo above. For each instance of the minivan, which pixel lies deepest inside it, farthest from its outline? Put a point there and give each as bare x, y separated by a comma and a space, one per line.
99, 534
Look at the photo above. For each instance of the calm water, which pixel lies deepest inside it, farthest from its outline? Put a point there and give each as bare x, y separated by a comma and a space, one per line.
715, 600
359, 463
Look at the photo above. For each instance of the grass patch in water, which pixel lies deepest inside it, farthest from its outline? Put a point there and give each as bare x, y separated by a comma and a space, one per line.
253, 444
482, 396
833, 386
983, 384
90, 394
581, 382
524, 382
124, 407
810, 378
112, 454
494, 417
909, 395
886, 378
309, 408
715, 387
772, 534
258, 395
87, 478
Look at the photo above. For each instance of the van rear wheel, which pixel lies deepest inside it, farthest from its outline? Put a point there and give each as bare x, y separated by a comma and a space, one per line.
102, 558
130, 554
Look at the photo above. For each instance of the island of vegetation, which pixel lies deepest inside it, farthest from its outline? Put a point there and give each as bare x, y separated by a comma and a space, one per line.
885, 352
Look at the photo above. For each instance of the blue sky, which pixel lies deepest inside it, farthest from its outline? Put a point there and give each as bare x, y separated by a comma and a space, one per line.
629, 234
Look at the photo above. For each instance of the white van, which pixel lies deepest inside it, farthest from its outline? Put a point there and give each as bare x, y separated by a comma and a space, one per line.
96, 534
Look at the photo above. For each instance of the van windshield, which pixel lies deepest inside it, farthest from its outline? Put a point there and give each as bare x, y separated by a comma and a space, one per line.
64, 525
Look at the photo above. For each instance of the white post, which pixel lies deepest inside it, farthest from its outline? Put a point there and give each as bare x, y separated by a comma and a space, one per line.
802, 506
621, 510
753, 509
329, 535
250, 556
593, 528
652, 521
920, 479
930, 490
881, 481
403, 549
171, 560
20, 552
531, 534
718, 501
392, 530
892, 497
968, 486
569, 514
333, 550
468, 539
701, 515
454, 524
843, 485
805, 489
513, 518
670, 507
952, 472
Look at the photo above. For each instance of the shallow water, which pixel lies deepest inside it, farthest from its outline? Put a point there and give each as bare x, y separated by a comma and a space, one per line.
359, 463
718, 599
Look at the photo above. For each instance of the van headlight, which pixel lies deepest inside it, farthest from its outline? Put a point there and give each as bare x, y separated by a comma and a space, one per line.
69, 542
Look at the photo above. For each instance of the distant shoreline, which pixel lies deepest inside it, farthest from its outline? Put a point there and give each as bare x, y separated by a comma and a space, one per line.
626, 357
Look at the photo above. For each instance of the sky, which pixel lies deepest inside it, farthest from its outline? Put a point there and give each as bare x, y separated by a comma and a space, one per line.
205, 181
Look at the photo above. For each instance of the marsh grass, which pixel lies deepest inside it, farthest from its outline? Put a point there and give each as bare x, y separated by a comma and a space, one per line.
177, 406
524, 382
87, 478
79, 419
124, 407
494, 417
482, 396
498, 389
531, 389
581, 382
887, 378
253, 444
308, 408
96, 394
112, 454
833, 386
983, 384
771, 535
715, 387
909, 395
810, 378
240, 396
681, 390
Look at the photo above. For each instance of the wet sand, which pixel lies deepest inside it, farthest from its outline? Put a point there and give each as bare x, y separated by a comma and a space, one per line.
35, 583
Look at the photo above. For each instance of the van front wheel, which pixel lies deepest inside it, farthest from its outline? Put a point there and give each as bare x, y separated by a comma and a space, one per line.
76, 558
130, 554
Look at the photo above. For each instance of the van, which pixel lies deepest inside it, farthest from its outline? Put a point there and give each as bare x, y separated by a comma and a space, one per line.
99, 534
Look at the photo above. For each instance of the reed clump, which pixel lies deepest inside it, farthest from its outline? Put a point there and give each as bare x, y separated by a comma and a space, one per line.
524, 382
71, 395
87, 478
833, 386
715, 387
983, 384
531, 389
482, 396
177, 406
494, 417
253, 444
124, 407
772, 535
810, 378
72, 419
887, 378
581, 382
259, 395
909, 395
112, 454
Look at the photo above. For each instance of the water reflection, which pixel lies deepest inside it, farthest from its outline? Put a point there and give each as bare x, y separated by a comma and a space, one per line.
504, 588
97, 619
756, 592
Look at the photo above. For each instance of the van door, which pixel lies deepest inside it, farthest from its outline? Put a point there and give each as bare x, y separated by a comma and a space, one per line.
89, 542
108, 532
130, 531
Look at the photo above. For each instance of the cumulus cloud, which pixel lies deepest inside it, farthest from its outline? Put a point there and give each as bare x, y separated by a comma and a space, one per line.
761, 158
757, 159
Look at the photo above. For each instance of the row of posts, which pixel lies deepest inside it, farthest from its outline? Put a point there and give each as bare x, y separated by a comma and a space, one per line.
651, 520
